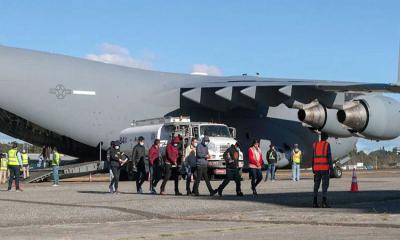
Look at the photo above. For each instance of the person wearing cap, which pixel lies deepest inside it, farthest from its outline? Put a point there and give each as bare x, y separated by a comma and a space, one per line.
171, 166
202, 157
14, 165
296, 158
231, 157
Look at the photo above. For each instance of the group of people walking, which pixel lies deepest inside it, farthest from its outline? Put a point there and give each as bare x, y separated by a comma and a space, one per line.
191, 162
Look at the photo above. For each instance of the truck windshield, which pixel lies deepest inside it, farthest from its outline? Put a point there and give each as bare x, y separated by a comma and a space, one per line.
214, 131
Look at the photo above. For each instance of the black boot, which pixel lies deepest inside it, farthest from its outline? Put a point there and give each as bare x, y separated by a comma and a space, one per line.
213, 192
315, 203
325, 203
255, 192
220, 192
239, 194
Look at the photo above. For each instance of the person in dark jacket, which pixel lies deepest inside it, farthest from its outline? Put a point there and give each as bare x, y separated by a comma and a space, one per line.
202, 166
154, 165
255, 164
272, 158
116, 161
171, 165
231, 157
139, 160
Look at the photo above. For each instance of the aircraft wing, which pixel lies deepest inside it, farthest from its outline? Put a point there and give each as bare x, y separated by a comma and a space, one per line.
246, 91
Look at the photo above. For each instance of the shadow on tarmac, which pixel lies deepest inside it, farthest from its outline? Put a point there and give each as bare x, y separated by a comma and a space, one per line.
377, 201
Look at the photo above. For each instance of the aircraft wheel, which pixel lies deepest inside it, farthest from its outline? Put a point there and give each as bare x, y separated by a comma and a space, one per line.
337, 172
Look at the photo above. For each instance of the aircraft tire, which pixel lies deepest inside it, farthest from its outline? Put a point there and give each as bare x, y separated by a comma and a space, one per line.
337, 172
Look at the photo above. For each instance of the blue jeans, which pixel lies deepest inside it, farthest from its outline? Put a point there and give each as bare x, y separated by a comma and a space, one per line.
56, 177
295, 172
256, 177
272, 170
151, 174
266, 166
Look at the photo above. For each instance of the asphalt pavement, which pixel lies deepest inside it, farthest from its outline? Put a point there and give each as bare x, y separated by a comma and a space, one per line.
85, 210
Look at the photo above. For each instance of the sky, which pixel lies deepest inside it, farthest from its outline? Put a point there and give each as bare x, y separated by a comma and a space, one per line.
349, 40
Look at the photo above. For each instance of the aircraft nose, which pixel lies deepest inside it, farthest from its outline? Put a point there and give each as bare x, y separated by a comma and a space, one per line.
19, 81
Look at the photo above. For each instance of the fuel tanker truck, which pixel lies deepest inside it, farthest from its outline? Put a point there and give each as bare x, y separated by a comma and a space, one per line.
221, 138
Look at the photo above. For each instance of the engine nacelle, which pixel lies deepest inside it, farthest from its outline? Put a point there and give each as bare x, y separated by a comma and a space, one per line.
323, 119
373, 117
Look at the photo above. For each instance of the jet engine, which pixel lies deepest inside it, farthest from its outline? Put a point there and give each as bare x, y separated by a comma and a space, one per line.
373, 117
324, 119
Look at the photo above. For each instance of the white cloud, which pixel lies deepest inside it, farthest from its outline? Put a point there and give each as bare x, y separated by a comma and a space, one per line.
206, 69
114, 54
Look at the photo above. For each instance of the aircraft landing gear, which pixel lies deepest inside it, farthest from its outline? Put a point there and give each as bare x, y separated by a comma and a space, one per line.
337, 172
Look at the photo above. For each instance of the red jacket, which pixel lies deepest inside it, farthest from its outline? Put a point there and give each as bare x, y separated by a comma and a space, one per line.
253, 162
172, 153
154, 154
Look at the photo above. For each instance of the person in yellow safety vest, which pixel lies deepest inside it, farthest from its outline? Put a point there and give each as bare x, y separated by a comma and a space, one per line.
3, 168
297, 157
25, 163
14, 165
56, 166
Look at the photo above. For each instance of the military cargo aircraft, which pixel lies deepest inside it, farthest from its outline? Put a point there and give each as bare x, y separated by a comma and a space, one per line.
76, 104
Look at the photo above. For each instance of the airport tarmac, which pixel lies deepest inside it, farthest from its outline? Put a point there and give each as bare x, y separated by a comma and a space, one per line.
85, 210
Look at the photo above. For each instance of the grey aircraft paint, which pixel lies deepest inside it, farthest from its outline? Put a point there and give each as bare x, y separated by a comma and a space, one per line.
75, 104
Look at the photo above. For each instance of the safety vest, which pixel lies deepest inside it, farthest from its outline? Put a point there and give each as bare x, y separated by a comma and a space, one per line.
56, 159
3, 165
25, 160
271, 155
12, 157
321, 161
296, 157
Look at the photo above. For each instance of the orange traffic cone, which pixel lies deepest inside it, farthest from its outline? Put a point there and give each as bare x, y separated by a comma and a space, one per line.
354, 183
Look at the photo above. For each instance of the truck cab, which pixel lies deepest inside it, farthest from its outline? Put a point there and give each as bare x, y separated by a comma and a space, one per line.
221, 137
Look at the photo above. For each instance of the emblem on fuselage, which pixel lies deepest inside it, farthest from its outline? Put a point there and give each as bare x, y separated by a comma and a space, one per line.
60, 91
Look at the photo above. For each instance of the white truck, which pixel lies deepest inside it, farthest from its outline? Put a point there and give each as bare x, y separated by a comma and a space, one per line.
221, 137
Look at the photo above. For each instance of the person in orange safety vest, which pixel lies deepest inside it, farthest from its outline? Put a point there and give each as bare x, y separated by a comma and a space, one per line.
321, 166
